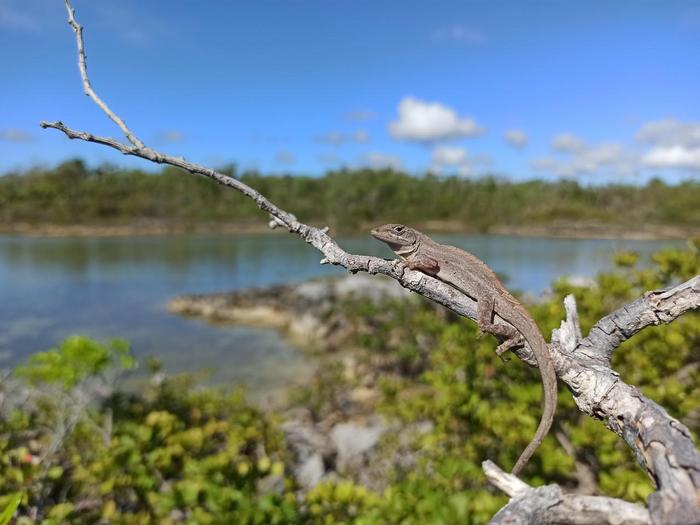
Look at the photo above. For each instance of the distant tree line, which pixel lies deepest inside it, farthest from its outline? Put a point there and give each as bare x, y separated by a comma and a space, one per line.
72, 193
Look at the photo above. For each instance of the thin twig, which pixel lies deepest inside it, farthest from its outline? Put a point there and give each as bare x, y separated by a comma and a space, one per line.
87, 87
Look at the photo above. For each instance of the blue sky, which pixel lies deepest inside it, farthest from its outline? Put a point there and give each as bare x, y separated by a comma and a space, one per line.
596, 91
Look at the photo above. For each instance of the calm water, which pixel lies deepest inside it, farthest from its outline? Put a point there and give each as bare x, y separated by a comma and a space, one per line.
119, 287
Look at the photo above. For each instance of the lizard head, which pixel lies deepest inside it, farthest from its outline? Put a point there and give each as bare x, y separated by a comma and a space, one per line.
401, 239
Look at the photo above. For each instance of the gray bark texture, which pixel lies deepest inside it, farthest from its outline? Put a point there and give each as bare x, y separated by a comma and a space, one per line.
662, 445
549, 504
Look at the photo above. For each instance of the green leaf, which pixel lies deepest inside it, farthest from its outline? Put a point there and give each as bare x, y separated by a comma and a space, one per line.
9, 511
75, 359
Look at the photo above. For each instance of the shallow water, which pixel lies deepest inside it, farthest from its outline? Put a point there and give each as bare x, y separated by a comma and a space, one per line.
119, 287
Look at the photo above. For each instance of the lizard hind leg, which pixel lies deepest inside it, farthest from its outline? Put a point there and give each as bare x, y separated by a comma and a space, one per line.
510, 336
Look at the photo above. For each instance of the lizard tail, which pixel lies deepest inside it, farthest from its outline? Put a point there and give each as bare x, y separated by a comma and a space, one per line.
549, 388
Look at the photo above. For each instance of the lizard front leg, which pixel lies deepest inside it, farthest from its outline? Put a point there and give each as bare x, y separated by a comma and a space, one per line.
422, 263
509, 335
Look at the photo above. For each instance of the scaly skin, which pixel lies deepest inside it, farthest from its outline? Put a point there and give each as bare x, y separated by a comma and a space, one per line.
467, 273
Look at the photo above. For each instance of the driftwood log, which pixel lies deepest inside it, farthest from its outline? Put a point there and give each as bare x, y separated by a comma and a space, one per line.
662, 445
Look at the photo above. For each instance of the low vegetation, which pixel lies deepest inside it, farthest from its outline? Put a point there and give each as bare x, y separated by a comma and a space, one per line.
80, 450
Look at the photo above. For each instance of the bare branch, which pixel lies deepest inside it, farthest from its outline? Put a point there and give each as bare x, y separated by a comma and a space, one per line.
661, 306
87, 87
662, 445
550, 505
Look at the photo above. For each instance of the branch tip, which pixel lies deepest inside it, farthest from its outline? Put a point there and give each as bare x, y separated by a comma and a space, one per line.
87, 87
504, 481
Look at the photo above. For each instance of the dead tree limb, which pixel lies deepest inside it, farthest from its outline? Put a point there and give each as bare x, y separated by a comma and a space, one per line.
662, 445
549, 504
654, 308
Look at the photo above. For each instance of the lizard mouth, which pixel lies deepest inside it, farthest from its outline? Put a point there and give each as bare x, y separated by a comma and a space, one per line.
382, 236
395, 246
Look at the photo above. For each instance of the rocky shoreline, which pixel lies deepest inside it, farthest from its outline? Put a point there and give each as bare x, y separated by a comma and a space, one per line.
344, 438
306, 313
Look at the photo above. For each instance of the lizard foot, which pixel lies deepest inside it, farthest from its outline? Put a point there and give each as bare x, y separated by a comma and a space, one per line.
401, 266
507, 345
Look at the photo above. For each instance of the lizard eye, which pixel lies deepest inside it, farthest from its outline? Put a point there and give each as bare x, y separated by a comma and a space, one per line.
399, 229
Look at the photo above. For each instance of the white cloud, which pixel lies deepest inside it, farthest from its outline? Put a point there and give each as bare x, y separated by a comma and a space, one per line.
459, 33
591, 159
670, 132
675, 144
516, 138
673, 157
429, 121
337, 138
568, 143
285, 157
601, 159
15, 135
361, 114
449, 156
378, 160
452, 159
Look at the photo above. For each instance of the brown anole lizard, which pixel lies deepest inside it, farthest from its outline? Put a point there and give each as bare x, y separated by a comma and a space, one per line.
471, 276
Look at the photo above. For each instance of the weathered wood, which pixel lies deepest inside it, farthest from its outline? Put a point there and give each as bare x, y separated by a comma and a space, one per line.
662, 445
549, 504
654, 308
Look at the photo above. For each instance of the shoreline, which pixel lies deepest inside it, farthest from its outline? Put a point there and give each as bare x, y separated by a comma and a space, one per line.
159, 228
